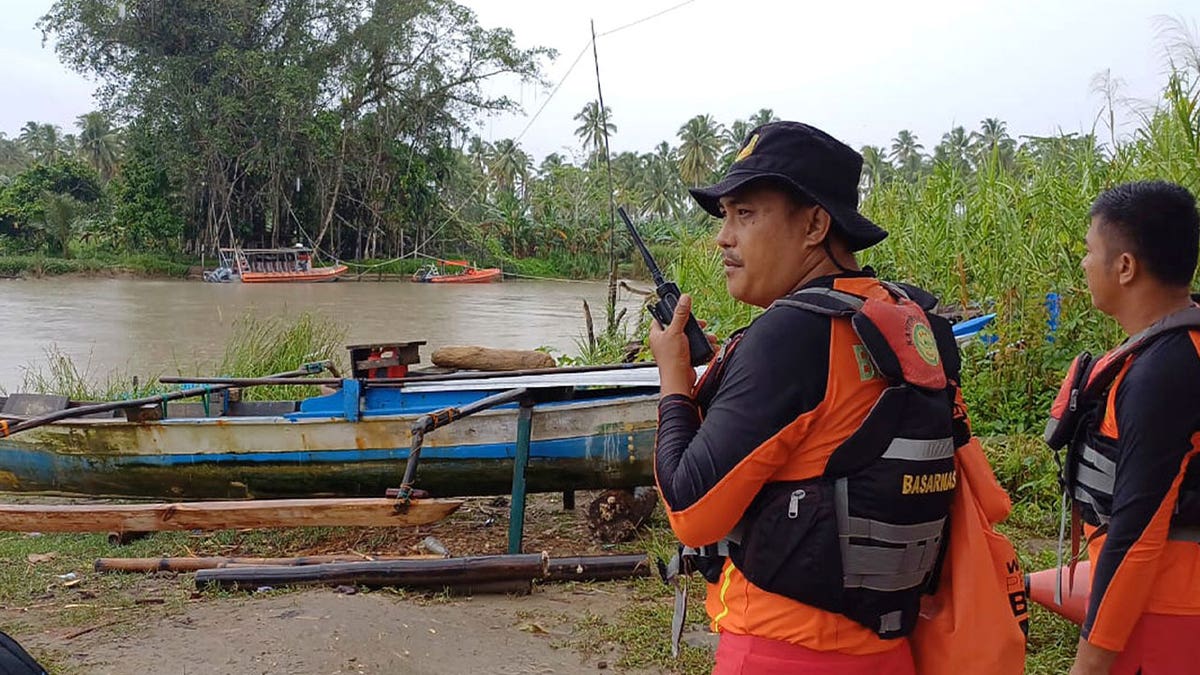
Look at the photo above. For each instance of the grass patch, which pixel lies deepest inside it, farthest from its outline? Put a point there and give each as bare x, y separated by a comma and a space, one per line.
63, 376
642, 632
93, 263
262, 346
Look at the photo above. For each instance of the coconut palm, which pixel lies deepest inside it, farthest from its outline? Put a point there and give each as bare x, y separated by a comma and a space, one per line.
60, 216
509, 165
42, 141
594, 122
733, 137
99, 143
13, 157
992, 140
906, 153
661, 187
954, 150
876, 170
627, 168
699, 149
763, 116
550, 163
478, 151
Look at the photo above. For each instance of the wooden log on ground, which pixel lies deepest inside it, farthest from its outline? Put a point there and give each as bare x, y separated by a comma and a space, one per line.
478, 571
486, 358
599, 567
353, 512
616, 515
186, 564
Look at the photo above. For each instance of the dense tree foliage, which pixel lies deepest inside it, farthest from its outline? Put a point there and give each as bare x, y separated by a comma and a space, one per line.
344, 124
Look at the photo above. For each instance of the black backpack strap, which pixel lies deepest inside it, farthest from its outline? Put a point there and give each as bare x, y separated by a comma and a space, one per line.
1104, 370
824, 301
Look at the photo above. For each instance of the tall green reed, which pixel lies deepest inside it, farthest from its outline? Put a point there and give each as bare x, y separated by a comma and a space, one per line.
264, 345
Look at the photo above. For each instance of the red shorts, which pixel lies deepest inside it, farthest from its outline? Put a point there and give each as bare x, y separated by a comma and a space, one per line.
749, 655
1160, 644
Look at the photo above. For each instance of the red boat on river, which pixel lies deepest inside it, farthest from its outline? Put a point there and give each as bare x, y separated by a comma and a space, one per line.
431, 274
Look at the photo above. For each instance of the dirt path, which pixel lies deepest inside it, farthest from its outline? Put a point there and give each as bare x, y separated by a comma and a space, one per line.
158, 623
321, 631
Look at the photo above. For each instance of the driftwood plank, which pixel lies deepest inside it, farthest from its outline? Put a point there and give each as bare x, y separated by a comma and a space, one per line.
222, 515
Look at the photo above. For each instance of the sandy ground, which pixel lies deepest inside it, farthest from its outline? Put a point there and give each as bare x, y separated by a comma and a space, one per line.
321, 631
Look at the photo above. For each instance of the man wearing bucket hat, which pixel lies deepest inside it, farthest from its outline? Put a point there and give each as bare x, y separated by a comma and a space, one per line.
810, 469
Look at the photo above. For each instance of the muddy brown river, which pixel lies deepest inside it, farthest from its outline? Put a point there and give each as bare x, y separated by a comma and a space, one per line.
152, 327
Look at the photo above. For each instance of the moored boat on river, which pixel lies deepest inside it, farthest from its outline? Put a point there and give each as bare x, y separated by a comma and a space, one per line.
430, 274
272, 265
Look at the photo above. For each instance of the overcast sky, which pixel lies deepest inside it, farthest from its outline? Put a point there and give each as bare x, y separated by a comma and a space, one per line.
859, 69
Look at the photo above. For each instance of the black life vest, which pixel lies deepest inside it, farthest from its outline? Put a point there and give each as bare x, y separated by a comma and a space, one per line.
1087, 458
865, 538
14, 660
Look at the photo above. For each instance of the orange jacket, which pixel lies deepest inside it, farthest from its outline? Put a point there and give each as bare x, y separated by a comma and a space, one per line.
800, 385
1153, 412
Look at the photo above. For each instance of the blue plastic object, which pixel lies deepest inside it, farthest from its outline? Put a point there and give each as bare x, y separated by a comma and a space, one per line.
1053, 311
971, 327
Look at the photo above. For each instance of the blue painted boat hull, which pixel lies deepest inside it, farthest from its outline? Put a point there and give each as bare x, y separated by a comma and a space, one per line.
589, 441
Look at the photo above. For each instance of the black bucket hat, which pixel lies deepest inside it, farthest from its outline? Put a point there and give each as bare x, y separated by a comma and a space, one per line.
809, 161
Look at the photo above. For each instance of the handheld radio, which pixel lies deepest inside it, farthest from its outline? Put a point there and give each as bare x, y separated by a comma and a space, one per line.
668, 296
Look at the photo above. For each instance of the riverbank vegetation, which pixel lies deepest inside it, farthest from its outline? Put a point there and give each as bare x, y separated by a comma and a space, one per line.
270, 125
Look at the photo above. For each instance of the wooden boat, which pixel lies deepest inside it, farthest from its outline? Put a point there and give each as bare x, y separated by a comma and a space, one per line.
272, 265
589, 431
470, 274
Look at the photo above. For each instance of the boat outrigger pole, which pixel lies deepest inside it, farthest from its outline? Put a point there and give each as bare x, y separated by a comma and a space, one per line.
440, 418
8, 430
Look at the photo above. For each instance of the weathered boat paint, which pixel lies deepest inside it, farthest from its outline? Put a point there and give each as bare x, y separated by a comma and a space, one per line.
603, 439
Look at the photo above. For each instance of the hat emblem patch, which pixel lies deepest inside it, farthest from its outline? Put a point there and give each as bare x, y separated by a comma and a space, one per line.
747, 149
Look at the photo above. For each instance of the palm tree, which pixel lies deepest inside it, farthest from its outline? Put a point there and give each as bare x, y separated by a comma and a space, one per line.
699, 148
953, 150
763, 116
13, 156
550, 163
876, 169
41, 140
661, 184
60, 214
594, 123
733, 137
992, 140
99, 143
478, 150
509, 165
906, 152
627, 172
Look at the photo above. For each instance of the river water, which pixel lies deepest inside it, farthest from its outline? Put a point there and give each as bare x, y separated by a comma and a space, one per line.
155, 327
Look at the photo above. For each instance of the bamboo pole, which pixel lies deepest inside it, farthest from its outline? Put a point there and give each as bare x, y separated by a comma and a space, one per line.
439, 573
185, 564
598, 567
411, 379
355, 512
49, 418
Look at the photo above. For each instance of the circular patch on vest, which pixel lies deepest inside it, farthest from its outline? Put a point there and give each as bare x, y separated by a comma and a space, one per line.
925, 343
